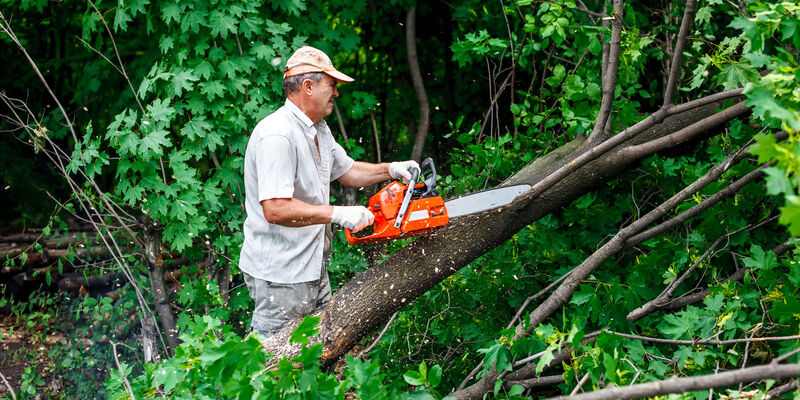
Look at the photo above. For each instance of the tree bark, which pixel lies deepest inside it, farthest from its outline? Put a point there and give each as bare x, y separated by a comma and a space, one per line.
152, 239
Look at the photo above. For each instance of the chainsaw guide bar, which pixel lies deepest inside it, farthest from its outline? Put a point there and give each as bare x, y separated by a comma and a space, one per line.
402, 210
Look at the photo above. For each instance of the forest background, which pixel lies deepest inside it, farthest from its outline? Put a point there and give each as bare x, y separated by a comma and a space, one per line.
657, 240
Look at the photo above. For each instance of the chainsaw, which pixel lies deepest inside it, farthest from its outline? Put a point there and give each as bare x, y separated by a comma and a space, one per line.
405, 210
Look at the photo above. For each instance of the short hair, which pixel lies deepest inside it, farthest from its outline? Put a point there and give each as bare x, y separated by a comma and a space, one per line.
292, 84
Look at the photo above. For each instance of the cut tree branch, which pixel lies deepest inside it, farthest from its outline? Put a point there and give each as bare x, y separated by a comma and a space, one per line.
609, 77
690, 384
677, 55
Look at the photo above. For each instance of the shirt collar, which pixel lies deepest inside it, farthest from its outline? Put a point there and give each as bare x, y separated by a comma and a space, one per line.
298, 113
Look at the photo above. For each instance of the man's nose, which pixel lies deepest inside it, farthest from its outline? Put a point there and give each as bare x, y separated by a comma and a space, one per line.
335, 92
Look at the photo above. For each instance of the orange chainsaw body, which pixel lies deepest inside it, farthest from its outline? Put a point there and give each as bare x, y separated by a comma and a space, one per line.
423, 215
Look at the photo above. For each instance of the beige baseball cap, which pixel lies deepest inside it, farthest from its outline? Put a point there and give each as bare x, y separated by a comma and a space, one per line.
308, 59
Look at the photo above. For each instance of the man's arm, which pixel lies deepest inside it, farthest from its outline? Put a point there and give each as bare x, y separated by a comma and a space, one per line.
296, 213
364, 174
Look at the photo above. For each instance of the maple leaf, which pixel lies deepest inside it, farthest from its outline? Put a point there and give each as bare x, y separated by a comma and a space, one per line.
222, 24
183, 81
154, 142
171, 13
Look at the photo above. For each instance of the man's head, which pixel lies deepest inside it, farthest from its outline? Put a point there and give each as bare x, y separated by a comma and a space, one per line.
310, 82
308, 59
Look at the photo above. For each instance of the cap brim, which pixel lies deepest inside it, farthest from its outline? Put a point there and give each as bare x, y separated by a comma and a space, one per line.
339, 76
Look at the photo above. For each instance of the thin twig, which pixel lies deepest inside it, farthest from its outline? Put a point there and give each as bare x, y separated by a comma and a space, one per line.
377, 139
119, 59
6, 28
10, 389
580, 384
378, 339
121, 371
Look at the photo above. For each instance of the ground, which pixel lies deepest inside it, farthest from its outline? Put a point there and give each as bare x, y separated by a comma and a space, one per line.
23, 346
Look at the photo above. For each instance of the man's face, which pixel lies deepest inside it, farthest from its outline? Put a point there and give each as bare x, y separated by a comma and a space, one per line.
322, 96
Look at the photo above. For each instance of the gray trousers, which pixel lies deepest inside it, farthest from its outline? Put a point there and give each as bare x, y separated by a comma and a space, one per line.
277, 304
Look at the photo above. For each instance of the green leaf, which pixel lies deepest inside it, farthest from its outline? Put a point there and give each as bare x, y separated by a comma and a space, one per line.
545, 359
777, 181
183, 81
497, 354
154, 142
171, 12
166, 43
159, 110
306, 329
413, 378
121, 20
435, 376
760, 259
221, 24
212, 89
790, 215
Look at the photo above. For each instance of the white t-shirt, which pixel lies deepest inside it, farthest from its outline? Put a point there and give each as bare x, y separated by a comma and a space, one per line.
281, 161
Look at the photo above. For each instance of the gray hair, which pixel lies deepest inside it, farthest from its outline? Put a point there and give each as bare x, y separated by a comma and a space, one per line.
292, 84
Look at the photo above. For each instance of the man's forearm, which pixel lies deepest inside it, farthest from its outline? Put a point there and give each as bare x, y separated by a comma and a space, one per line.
295, 213
365, 174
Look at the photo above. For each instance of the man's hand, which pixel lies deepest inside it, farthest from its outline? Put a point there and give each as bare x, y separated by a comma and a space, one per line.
402, 169
354, 218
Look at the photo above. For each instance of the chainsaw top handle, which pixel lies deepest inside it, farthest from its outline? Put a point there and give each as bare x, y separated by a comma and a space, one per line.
430, 181
401, 213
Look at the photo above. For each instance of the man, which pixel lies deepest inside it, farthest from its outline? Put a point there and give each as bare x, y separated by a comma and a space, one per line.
290, 160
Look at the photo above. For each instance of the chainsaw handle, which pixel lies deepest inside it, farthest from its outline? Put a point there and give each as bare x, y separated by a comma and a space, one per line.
401, 213
430, 181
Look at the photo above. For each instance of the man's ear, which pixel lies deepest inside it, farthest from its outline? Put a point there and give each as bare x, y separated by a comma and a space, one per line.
306, 86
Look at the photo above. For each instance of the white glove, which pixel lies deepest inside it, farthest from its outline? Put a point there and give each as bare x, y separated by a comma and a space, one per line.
354, 218
402, 169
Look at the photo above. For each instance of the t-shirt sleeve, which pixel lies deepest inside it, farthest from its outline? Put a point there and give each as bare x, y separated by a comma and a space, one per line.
276, 162
341, 162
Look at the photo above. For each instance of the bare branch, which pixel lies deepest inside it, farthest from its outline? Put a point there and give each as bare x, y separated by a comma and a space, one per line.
10, 389
686, 133
377, 339
609, 76
612, 143
6, 28
696, 209
689, 384
377, 139
339, 120
121, 371
537, 382
785, 388
119, 59
677, 54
